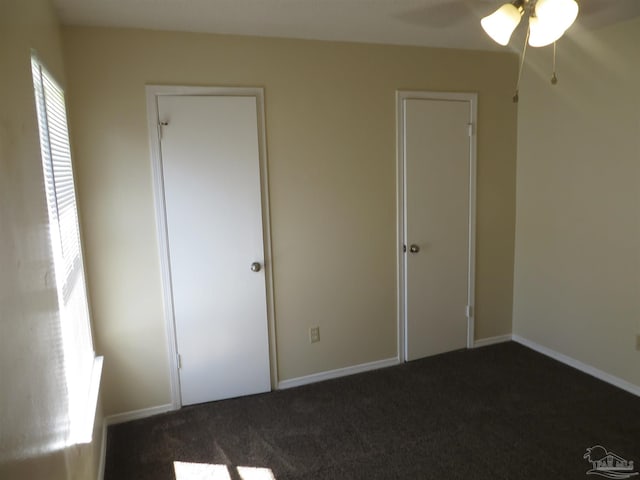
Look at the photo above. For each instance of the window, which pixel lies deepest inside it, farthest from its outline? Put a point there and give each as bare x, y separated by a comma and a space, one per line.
81, 368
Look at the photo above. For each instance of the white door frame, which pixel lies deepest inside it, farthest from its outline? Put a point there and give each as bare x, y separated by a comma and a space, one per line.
401, 96
152, 93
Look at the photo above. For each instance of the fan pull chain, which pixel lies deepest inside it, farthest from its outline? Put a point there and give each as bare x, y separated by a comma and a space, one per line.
554, 78
524, 52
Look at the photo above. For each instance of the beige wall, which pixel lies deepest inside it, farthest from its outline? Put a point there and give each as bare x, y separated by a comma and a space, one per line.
577, 266
33, 408
330, 111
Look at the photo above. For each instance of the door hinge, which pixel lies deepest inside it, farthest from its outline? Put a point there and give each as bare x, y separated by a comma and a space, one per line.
470, 125
179, 360
161, 124
404, 248
469, 311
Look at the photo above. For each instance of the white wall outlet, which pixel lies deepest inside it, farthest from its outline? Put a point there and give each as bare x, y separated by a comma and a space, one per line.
314, 334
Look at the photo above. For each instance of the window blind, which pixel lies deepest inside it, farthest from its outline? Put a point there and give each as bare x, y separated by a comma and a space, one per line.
64, 233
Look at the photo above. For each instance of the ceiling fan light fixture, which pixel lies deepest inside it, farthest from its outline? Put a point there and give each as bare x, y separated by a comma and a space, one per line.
542, 33
501, 23
548, 21
556, 15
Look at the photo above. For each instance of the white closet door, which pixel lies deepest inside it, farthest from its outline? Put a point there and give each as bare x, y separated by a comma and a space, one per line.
211, 168
437, 169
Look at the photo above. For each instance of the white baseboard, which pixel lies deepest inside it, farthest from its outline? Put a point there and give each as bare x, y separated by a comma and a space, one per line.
577, 364
340, 372
483, 342
137, 414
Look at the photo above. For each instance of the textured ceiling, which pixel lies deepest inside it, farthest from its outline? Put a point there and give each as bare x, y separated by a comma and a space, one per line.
436, 23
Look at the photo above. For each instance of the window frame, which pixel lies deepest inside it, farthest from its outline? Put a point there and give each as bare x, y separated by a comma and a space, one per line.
82, 367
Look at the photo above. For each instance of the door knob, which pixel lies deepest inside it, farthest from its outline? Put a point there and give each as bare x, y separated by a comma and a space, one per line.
256, 267
414, 248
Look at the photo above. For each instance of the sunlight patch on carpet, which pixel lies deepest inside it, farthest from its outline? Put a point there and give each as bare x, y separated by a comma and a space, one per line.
255, 473
200, 471
210, 471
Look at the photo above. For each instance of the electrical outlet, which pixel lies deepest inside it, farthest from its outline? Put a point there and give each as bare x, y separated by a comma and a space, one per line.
638, 342
314, 334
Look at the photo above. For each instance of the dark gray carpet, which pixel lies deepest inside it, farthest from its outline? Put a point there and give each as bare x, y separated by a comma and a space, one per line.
499, 412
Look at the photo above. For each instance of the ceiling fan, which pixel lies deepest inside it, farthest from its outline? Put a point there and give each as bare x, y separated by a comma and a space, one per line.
548, 20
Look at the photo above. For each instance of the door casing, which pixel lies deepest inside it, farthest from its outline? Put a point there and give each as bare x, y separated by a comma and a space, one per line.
401, 96
152, 94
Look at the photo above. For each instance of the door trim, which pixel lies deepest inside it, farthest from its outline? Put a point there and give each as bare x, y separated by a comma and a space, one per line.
152, 94
401, 96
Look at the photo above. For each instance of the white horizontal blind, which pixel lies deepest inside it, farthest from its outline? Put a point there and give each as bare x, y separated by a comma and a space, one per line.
65, 242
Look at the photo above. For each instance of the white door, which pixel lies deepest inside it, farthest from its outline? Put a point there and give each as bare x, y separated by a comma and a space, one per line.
211, 167
437, 166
